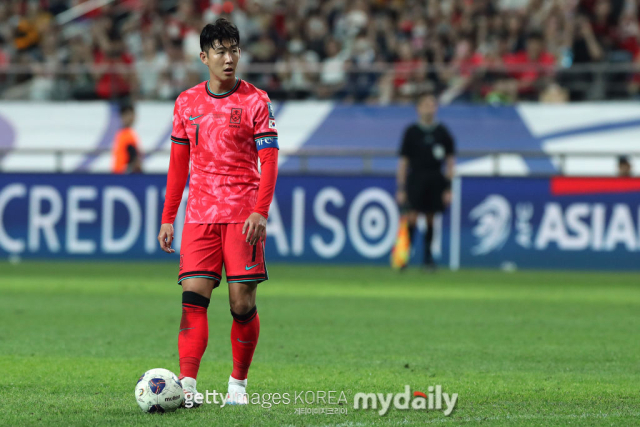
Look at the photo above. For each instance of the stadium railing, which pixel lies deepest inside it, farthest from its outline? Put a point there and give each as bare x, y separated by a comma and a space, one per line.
367, 160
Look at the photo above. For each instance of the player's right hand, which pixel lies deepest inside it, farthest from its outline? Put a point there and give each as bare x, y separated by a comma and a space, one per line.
401, 197
165, 237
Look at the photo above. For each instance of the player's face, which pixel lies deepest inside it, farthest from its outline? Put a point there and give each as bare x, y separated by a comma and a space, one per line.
128, 117
222, 60
427, 107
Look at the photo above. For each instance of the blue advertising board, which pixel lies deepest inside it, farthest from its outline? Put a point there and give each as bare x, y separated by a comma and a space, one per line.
561, 222
576, 223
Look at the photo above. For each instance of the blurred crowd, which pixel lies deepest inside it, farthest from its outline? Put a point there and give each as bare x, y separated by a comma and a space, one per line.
378, 51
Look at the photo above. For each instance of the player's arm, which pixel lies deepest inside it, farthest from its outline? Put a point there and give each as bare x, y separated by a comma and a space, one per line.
401, 180
450, 159
450, 164
176, 181
134, 165
403, 168
267, 186
266, 140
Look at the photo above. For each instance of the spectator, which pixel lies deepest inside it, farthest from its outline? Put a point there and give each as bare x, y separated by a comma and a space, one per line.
80, 81
462, 69
530, 67
150, 67
113, 81
583, 48
624, 167
333, 76
292, 70
126, 155
361, 81
405, 66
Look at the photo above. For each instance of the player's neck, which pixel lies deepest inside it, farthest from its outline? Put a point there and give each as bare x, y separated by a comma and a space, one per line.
428, 122
218, 87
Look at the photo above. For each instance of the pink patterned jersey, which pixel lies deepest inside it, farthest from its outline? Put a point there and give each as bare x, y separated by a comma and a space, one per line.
224, 133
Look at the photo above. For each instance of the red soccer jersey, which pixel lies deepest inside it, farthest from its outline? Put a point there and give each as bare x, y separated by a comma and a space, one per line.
223, 133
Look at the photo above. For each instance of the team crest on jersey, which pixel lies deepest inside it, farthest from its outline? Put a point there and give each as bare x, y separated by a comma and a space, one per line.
236, 116
271, 113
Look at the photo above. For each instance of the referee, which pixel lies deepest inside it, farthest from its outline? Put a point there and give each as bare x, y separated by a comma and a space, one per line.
422, 186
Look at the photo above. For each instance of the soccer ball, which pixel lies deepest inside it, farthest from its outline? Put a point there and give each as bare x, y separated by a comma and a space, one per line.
159, 390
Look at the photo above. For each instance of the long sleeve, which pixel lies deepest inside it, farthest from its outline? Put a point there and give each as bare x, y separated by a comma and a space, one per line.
178, 166
265, 135
176, 180
269, 174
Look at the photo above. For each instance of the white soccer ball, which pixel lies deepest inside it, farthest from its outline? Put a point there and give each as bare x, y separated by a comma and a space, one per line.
159, 390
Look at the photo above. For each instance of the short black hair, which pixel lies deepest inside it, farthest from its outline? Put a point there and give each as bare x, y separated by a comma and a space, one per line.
220, 31
426, 94
623, 160
126, 107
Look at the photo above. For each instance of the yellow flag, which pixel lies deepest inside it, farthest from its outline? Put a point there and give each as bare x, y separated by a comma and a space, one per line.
402, 249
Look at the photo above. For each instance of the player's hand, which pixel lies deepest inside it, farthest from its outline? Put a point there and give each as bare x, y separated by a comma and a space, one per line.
401, 197
255, 228
165, 237
446, 198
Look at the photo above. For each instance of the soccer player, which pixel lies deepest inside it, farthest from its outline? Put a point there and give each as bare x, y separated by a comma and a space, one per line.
222, 126
421, 185
126, 155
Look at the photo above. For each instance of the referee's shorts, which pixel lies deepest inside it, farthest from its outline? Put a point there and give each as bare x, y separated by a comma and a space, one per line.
424, 193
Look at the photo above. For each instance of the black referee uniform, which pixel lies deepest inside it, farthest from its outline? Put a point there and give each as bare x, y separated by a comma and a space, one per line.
426, 148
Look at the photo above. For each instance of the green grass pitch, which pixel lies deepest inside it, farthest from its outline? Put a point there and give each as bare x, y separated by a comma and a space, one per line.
523, 348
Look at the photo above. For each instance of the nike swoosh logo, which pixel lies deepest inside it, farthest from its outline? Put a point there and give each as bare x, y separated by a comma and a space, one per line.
184, 329
193, 118
244, 342
249, 268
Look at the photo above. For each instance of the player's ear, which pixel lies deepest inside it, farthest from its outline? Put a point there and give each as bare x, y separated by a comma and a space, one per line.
204, 58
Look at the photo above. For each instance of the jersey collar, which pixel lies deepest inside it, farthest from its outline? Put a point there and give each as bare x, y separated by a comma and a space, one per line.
223, 95
428, 128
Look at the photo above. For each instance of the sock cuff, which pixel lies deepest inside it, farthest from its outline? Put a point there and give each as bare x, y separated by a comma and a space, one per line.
196, 299
247, 317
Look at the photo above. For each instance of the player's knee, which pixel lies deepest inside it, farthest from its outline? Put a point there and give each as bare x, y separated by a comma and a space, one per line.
199, 286
241, 306
246, 315
412, 218
429, 218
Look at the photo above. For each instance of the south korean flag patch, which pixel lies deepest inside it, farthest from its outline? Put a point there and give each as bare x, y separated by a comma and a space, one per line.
272, 116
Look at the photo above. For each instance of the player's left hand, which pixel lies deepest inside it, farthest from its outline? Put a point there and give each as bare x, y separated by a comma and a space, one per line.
446, 198
255, 228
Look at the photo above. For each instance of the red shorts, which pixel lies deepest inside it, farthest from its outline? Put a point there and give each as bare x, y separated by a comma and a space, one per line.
205, 248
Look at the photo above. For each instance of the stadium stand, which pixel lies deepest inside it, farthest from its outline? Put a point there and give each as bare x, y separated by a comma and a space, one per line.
382, 51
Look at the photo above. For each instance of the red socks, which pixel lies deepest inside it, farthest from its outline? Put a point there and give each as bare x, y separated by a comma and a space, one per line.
244, 338
194, 333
